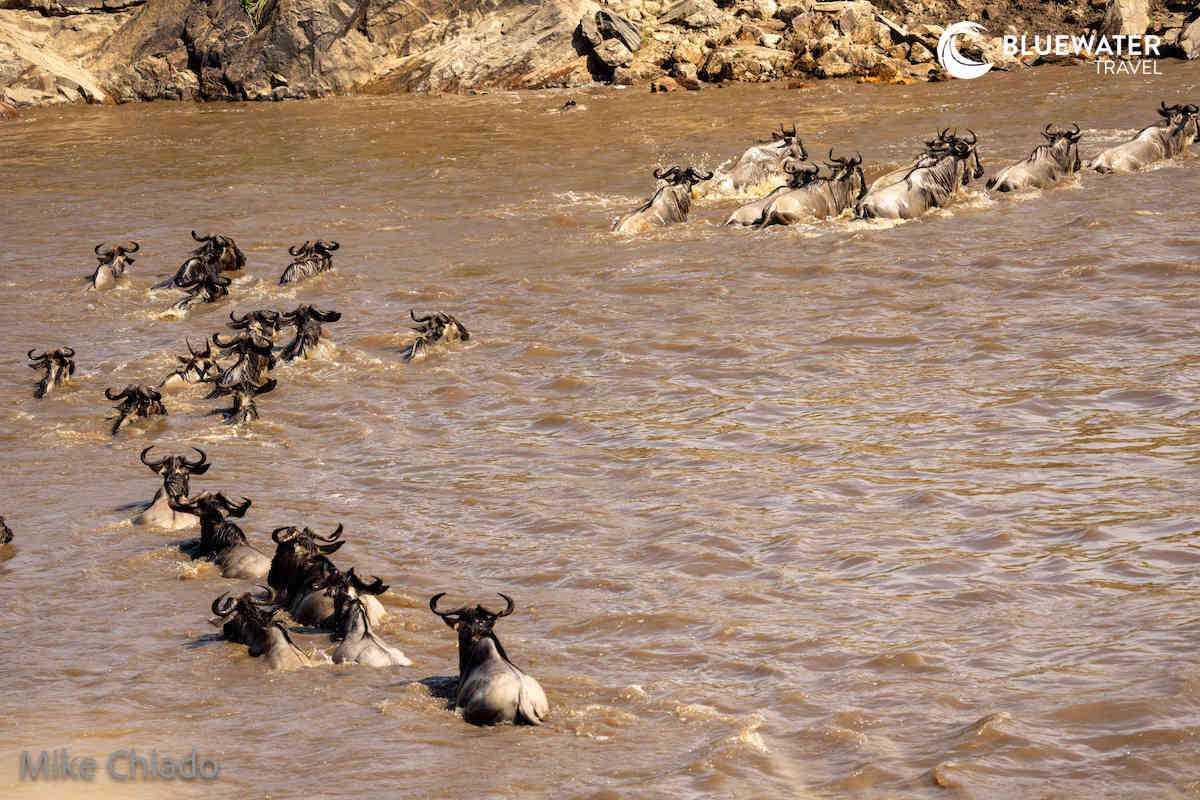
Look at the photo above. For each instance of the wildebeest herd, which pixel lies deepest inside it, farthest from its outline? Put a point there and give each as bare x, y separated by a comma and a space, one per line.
934, 178
300, 579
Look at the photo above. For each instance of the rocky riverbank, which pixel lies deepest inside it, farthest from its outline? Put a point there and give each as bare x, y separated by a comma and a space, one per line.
63, 51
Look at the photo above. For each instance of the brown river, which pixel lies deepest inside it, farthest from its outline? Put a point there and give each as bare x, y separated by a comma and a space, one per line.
841, 510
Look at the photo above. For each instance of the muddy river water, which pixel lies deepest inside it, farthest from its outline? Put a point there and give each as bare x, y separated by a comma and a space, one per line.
839, 510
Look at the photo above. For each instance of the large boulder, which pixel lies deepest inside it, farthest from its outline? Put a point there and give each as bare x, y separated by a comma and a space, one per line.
1189, 39
614, 54
694, 14
614, 26
1126, 18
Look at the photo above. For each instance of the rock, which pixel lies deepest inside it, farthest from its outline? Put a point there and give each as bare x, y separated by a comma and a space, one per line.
1126, 18
812, 25
589, 30
664, 85
622, 77
847, 59
694, 14
1189, 40
899, 52
746, 63
683, 71
689, 52
789, 11
8, 112
613, 53
691, 84
770, 40
756, 9
613, 26
919, 53
857, 22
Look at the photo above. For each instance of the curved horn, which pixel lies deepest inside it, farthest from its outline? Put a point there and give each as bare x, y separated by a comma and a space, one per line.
433, 606
337, 534
200, 238
136, 246
216, 340
150, 464
196, 465
38, 357
662, 174
973, 138
297, 249
285, 534
234, 322
123, 393
69, 352
377, 586
223, 606
509, 609
107, 251
329, 246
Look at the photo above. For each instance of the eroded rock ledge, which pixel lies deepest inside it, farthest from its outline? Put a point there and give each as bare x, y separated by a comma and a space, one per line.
58, 51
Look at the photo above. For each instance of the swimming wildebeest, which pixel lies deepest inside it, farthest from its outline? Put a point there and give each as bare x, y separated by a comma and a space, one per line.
764, 161
6, 535
352, 625
1166, 138
670, 203
431, 329
59, 366
1048, 163
255, 358
819, 197
204, 289
243, 409
114, 260
309, 259
251, 622
216, 254
931, 184
137, 401
491, 689
221, 541
294, 566
176, 472
307, 320
316, 603
194, 368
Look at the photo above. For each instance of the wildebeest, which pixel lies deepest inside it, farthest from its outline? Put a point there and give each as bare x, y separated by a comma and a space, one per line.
204, 289
6, 535
491, 689
307, 320
431, 329
216, 254
59, 366
255, 358
137, 401
176, 472
763, 162
1046, 165
930, 184
243, 409
317, 604
309, 259
670, 203
1166, 138
263, 322
194, 368
247, 621
221, 541
819, 197
352, 624
114, 260
293, 567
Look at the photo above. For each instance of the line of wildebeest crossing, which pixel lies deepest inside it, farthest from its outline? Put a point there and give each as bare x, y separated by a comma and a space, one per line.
933, 179
301, 579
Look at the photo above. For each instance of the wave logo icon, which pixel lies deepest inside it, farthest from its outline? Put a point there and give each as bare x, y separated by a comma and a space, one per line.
955, 64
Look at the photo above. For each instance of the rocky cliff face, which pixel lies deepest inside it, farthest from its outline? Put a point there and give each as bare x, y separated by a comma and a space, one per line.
127, 50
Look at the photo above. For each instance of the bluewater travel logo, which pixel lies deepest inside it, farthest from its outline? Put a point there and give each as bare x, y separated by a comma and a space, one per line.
954, 62
1122, 54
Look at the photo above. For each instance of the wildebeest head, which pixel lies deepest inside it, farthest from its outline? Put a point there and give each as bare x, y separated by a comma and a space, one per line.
1065, 140
211, 506
849, 169
296, 549
219, 251
176, 470
243, 409
136, 400
304, 312
108, 253
59, 366
473, 625
242, 619
800, 175
249, 341
263, 322
6, 535
793, 147
196, 366
348, 590
205, 287
961, 148
689, 177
